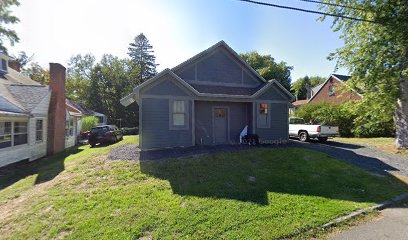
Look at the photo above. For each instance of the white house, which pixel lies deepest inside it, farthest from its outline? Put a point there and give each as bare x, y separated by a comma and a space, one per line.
32, 116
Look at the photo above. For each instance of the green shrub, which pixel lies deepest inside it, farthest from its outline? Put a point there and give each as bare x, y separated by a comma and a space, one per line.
328, 114
373, 118
88, 123
365, 118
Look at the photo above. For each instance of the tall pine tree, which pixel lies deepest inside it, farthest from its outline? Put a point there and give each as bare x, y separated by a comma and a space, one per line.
142, 56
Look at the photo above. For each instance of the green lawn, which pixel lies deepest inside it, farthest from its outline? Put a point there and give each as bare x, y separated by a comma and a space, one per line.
254, 194
383, 144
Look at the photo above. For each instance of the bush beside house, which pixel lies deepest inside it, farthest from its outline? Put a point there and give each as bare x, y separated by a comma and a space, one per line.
362, 118
88, 123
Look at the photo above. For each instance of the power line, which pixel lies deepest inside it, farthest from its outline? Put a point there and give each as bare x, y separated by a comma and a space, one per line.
333, 4
308, 11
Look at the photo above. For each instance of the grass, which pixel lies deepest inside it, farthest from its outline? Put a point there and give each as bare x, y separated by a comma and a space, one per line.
384, 144
254, 194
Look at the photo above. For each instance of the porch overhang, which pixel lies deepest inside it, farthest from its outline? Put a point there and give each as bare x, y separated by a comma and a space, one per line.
135, 95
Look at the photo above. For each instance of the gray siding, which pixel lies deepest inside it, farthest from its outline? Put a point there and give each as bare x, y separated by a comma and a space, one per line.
166, 86
187, 73
156, 131
239, 116
218, 67
278, 129
273, 94
249, 79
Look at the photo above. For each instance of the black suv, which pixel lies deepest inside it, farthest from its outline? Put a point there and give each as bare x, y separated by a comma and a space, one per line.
105, 134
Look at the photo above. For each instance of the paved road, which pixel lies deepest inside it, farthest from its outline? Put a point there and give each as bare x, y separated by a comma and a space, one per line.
393, 224
367, 158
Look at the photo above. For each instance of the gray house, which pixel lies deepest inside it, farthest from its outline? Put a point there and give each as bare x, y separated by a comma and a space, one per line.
210, 99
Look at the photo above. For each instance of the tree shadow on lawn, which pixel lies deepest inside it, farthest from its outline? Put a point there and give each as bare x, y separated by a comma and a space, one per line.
249, 175
47, 168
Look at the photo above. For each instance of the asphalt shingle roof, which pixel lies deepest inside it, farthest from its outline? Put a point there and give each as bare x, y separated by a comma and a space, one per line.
244, 91
28, 95
7, 106
342, 77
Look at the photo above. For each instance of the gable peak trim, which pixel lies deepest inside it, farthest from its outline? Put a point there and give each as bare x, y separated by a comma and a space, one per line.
214, 48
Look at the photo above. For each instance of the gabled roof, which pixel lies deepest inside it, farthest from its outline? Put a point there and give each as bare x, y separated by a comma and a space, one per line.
208, 90
19, 93
14, 77
316, 88
29, 96
245, 91
340, 78
213, 48
7, 106
79, 107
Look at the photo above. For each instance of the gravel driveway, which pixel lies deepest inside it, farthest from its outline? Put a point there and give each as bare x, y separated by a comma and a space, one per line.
364, 157
132, 152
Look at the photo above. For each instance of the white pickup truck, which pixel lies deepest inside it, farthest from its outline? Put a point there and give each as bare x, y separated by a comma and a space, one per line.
298, 129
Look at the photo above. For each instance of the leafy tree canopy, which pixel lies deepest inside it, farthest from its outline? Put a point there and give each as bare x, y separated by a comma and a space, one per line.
22, 58
7, 18
376, 53
78, 77
299, 88
266, 66
37, 73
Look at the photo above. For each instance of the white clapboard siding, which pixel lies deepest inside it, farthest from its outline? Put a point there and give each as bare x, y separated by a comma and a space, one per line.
33, 149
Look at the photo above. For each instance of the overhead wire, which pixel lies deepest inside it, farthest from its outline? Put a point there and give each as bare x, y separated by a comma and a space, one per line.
308, 11
333, 4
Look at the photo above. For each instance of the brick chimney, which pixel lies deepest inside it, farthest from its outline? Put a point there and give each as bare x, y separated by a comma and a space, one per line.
56, 112
14, 65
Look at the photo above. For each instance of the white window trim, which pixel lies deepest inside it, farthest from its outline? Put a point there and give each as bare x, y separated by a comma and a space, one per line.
9, 134
26, 133
42, 130
268, 115
186, 125
331, 92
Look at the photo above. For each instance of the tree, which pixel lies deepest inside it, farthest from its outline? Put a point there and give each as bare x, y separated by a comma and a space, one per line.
23, 59
299, 88
316, 80
37, 73
142, 56
88, 123
5, 19
376, 52
266, 66
79, 70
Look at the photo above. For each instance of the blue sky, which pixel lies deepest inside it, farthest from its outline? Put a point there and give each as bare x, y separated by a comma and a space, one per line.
177, 29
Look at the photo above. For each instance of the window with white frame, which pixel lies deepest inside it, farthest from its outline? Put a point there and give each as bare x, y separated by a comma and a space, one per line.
178, 114
5, 134
39, 130
331, 90
20, 133
263, 115
4, 65
69, 127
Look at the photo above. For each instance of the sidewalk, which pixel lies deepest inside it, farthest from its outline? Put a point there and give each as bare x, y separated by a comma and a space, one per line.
392, 224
